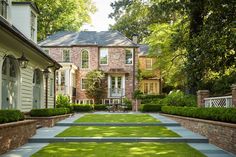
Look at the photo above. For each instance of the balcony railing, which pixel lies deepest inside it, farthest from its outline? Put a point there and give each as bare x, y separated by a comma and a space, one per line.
225, 101
117, 92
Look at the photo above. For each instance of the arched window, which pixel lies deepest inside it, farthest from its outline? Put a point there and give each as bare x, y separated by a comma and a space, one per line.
85, 59
9, 83
37, 80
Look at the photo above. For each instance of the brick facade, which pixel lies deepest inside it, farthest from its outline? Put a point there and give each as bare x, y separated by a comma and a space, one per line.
15, 134
116, 60
219, 133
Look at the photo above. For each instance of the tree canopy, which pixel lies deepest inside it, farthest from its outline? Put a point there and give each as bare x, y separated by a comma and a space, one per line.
194, 40
58, 15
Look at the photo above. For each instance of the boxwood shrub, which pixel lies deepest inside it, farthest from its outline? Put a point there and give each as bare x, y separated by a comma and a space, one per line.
216, 114
83, 107
47, 112
7, 116
100, 107
150, 108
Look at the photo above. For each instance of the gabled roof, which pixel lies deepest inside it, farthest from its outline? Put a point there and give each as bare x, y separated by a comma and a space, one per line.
31, 4
14, 31
90, 38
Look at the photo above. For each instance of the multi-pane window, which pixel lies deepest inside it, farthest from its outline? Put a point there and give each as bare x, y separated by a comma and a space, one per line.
83, 83
62, 78
149, 63
66, 55
33, 25
3, 8
128, 56
103, 55
84, 59
51, 87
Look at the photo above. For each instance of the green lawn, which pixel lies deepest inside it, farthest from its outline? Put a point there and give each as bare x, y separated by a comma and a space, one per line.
117, 118
92, 149
118, 131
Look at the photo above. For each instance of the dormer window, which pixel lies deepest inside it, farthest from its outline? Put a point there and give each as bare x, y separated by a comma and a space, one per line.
3, 8
33, 26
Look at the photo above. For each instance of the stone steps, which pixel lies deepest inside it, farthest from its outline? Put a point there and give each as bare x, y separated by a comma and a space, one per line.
119, 139
118, 124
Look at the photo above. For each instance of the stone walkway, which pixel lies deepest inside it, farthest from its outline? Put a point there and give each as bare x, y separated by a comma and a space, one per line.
46, 135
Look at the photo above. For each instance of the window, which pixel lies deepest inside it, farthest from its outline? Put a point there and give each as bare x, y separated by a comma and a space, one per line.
128, 56
151, 88
66, 56
51, 87
33, 28
62, 78
103, 55
84, 59
149, 63
83, 84
3, 8
145, 88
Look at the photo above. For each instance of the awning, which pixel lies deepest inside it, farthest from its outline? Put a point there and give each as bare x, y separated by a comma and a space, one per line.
117, 71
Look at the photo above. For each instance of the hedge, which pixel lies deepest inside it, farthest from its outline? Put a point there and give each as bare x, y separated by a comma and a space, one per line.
150, 108
82, 107
150, 98
216, 114
7, 116
48, 112
100, 107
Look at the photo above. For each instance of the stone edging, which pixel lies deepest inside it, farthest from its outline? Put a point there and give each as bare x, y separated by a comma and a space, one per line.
51, 117
17, 123
202, 120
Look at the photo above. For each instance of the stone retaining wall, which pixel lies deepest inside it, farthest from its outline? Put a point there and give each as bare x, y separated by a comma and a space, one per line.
49, 121
15, 134
220, 134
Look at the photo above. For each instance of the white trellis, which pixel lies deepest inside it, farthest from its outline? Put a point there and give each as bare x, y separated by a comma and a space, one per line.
224, 101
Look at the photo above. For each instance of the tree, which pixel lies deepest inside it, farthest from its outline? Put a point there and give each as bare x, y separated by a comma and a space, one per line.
60, 15
95, 85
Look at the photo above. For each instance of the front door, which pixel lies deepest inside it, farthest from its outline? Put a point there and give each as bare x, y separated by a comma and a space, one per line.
9, 83
116, 86
37, 89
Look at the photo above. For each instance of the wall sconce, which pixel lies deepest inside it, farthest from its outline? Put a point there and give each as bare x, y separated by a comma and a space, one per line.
23, 61
46, 73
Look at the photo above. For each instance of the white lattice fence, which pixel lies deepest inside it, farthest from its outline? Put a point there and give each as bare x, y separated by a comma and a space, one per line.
225, 101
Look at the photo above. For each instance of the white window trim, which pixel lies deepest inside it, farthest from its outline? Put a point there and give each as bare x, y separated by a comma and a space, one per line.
62, 55
132, 51
81, 58
109, 84
100, 56
146, 64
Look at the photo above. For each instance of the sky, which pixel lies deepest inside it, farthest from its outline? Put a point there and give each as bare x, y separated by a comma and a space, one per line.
100, 20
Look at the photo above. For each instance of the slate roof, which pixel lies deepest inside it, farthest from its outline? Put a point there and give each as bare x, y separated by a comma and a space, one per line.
143, 49
83, 38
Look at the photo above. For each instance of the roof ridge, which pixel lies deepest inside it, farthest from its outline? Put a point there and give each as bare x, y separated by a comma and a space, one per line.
127, 38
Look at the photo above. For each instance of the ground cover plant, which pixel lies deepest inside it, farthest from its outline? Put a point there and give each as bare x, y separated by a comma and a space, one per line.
117, 149
117, 118
118, 131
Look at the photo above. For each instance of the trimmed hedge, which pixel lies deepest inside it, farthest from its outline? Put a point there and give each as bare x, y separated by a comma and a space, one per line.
48, 112
82, 108
150, 108
216, 114
7, 116
100, 107
145, 99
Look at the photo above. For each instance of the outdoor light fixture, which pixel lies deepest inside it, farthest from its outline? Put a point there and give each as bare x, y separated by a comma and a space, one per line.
46, 73
23, 61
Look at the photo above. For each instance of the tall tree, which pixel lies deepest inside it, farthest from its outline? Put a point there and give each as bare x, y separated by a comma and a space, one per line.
58, 15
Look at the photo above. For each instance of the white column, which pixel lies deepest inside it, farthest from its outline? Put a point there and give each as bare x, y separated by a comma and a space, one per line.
67, 81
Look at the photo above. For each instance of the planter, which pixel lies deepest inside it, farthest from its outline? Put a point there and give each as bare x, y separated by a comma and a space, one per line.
15, 134
219, 133
49, 121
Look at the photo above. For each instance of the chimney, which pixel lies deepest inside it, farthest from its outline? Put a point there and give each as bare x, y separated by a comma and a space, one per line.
135, 38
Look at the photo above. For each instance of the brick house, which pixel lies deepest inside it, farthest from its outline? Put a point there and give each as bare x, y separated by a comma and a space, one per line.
81, 52
151, 82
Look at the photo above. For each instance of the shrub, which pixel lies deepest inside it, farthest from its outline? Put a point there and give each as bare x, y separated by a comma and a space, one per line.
47, 112
7, 116
178, 98
217, 114
145, 99
82, 108
100, 107
150, 108
128, 103
63, 101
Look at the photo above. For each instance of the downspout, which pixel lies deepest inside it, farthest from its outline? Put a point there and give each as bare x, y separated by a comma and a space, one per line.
46, 92
134, 70
55, 89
